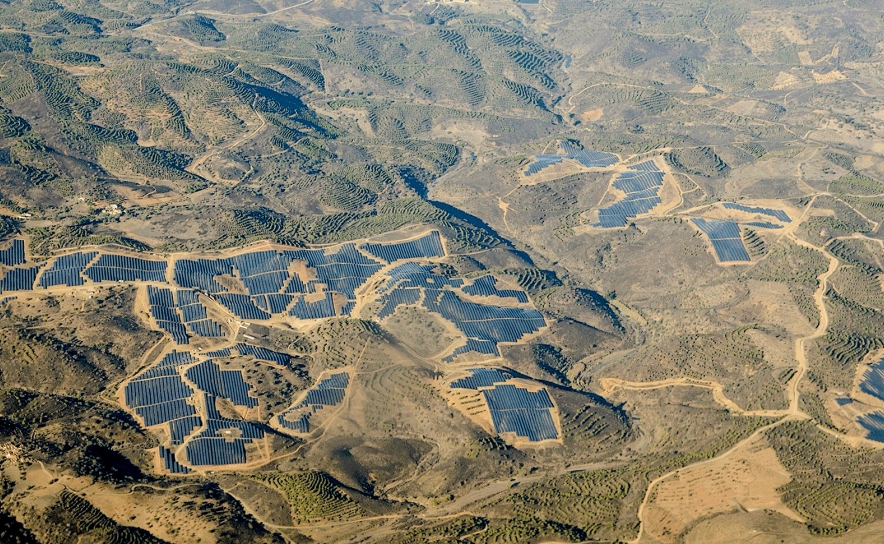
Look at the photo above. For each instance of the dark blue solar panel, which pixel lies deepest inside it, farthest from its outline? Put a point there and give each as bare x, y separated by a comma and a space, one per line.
641, 184
241, 306
179, 429
481, 377
425, 247
717, 229
764, 225
520, 411
874, 425
396, 298
778, 214
314, 310
206, 328
873, 380
225, 352
229, 384
172, 464
20, 279
6, 300
588, 157
263, 354
186, 297
156, 414
123, 268
193, 312
328, 392
725, 238
200, 274
66, 270
541, 162
487, 286
14, 255
216, 451
843, 400
274, 303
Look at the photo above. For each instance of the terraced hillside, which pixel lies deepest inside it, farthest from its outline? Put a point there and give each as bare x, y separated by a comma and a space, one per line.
423, 272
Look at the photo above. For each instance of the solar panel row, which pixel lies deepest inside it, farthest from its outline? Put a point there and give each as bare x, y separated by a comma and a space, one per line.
778, 214
223, 440
229, 384
110, 267
162, 309
588, 157
394, 299
481, 377
216, 451
764, 225
314, 310
158, 395
873, 380
179, 429
641, 184
260, 353
424, 247
14, 255
541, 162
874, 425
726, 239
172, 464
274, 303
486, 347
328, 392
487, 286
241, 306
514, 409
200, 274
66, 270
20, 279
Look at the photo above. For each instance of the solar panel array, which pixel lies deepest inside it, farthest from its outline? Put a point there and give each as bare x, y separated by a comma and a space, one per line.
123, 268
642, 184
424, 247
6, 300
14, 255
172, 464
262, 354
541, 162
194, 315
159, 395
344, 271
486, 286
725, 238
873, 380
20, 279
874, 425
778, 214
66, 270
588, 157
764, 225
162, 309
328, 392
241, 306
222, 441
263, 272
517, 410
200, 274
481, 377
229, 384
484, 326
314, 310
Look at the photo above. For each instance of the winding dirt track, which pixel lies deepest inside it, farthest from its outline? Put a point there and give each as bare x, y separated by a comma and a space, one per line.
791, 414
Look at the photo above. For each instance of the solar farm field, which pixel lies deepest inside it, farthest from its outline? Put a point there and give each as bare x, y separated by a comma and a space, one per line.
725, 238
